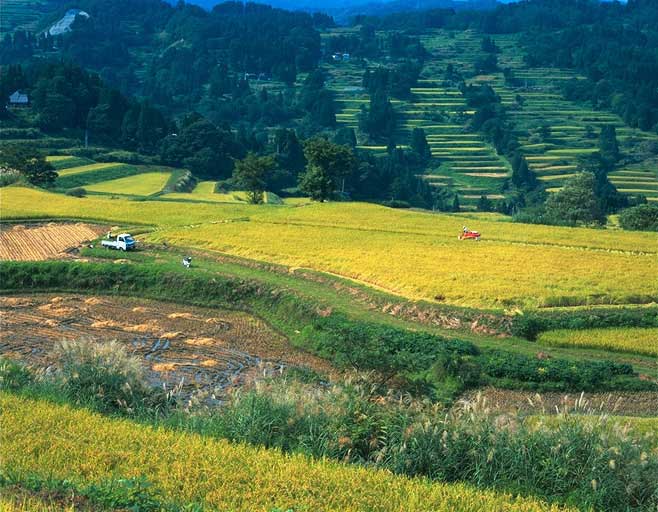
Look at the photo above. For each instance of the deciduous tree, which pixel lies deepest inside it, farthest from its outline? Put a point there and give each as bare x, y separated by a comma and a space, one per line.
328, 164
252, 173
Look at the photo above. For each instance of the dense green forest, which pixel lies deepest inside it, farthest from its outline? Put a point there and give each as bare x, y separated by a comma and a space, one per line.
201, 89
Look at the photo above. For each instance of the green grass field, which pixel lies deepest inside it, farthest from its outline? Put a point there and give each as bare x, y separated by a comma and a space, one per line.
144, 184
62, 162
205, 191
107, 177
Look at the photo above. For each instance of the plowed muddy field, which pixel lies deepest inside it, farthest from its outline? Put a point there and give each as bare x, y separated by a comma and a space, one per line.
198, 349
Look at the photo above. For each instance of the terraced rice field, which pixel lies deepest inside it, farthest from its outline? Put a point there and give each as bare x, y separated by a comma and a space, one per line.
59, 443
206, 350
144, 184
574, 128
23, 203
205, 191
20, 14
637, 180
61, 162
88, 168
462, 159
42, 242
459, 49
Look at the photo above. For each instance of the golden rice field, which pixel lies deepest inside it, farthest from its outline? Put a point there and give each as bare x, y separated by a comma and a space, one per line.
58, 158
623, 339
88, 168
57, 442
423, 267
143, 184
24, 203
413, 254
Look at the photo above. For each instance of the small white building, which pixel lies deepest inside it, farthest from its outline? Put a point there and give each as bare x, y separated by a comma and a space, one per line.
63, 26
18, 99
340, 57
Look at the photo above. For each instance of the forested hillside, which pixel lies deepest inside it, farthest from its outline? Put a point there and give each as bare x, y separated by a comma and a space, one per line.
445, 109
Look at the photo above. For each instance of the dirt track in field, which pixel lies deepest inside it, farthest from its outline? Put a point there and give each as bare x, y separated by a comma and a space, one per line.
206, 349
44, 241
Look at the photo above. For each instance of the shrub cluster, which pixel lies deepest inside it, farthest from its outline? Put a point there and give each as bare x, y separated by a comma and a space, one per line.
523, 372
185, 183
14, 376
641, 218
530, 325
9, 176
19, 133
420, 359
180, 181
441, 367
76, 192
105, 377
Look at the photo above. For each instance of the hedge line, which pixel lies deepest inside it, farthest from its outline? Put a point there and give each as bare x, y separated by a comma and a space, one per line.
530, 325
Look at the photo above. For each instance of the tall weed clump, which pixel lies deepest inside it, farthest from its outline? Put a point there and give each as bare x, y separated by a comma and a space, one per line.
105, 377
590, 464
589, 461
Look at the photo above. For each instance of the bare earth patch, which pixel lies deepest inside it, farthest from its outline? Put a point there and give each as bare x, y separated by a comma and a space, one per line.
178, 346
43, 241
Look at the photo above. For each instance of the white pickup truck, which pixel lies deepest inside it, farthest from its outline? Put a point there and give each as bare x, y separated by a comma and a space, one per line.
123, 242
